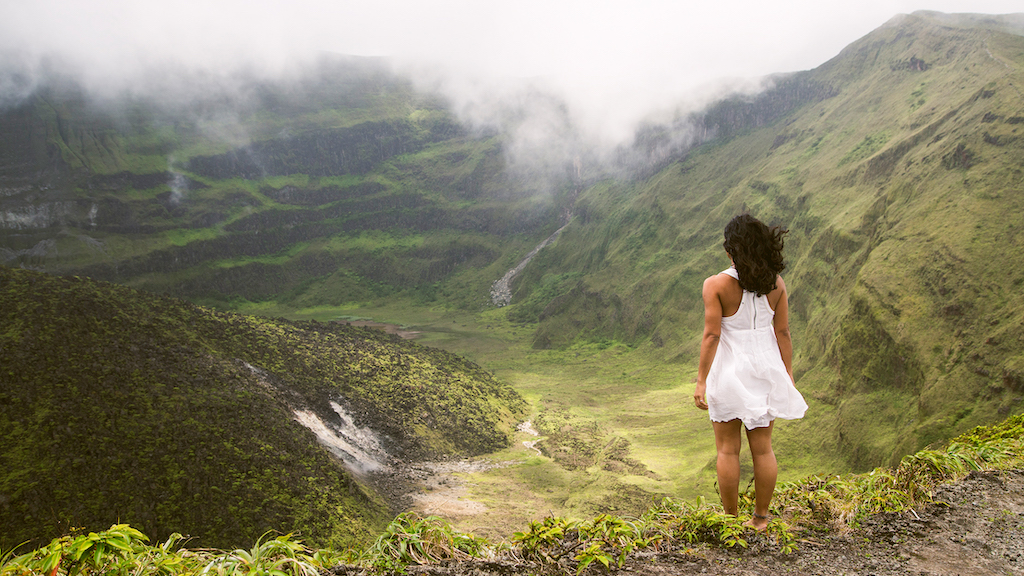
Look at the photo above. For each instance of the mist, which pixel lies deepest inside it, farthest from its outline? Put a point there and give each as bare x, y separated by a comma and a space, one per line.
557, 76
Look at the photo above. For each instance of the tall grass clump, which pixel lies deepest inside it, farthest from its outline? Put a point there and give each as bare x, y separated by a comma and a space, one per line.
836, 502
414, 540
123, 551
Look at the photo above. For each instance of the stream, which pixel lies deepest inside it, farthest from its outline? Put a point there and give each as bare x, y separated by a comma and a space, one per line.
501, 292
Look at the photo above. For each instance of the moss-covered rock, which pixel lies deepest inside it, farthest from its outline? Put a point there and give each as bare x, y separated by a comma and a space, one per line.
117, 405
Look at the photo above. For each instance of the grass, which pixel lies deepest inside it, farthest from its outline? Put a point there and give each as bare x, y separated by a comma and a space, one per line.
279, 258
866, 148
605, 393
370, 240
183, 236
891, 243
817, 505
193, 423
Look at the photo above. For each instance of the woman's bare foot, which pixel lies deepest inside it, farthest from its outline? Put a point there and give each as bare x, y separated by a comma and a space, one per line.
758, 522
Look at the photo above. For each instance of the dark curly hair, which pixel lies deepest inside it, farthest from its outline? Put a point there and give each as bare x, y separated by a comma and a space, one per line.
756, 251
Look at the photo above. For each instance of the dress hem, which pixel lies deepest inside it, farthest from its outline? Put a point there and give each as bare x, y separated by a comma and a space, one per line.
770, 420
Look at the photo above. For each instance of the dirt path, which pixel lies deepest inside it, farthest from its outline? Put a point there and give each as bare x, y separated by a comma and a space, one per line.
977, 529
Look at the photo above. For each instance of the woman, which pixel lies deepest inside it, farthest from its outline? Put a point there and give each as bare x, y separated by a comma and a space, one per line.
745, 374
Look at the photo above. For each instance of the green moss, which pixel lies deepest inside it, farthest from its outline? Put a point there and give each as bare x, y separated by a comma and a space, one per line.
148, 410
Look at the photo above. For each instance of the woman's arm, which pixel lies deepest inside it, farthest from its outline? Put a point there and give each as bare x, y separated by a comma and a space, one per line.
709, 341
781, 325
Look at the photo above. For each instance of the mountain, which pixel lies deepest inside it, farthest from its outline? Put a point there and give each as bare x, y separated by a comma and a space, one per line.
123, 406
343, 185
896, 167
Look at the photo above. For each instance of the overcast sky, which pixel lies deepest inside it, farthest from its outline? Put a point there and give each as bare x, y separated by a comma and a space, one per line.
629, 55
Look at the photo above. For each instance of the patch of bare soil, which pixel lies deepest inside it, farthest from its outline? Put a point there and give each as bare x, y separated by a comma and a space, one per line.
441, 492
529, 429
975, 527
431, 488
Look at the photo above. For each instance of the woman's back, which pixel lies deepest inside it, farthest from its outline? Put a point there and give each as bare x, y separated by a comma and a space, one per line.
748, 378
736, 300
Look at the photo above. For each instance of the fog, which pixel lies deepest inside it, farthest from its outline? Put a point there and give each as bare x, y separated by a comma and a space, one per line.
607, 64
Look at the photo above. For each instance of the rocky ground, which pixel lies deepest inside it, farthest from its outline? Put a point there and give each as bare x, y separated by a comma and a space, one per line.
975, 527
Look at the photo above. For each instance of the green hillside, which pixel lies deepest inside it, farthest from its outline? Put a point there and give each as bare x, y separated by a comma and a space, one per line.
897, 168
121, 406
344, 187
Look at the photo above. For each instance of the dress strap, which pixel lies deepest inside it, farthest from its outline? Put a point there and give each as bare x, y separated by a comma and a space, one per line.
731, 271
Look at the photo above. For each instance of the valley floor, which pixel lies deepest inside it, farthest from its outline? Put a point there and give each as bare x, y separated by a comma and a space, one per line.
975, 526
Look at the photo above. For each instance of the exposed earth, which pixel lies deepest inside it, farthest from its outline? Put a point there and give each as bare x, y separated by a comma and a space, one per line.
974, 527
443, 494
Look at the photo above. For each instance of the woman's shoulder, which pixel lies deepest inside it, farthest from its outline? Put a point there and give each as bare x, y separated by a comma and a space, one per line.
778, 293
723, 278
720, 282
780, 284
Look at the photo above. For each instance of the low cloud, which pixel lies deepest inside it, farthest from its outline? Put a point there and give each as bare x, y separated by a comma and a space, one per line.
554, 74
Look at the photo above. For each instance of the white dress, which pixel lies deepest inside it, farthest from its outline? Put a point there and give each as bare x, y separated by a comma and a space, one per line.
748, 379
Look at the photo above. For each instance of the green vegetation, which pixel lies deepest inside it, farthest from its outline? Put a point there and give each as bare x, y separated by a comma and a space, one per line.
866, 148
120, 405
896, 166
123, 550
301, 205
902, 256
410, 539
814, 505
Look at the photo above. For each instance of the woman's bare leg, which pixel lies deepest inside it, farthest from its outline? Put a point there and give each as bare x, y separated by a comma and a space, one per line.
727, 443
766, 470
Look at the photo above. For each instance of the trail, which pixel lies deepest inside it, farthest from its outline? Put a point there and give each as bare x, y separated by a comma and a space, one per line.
501, 291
